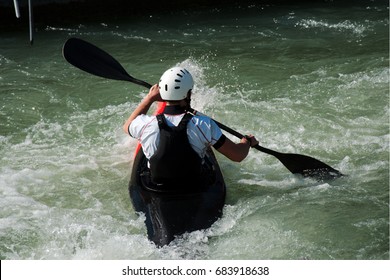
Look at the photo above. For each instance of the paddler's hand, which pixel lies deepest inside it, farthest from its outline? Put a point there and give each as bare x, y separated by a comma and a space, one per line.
143, 107
154, 94
250, 140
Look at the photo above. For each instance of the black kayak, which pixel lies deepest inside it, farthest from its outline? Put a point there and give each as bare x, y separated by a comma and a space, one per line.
172, 210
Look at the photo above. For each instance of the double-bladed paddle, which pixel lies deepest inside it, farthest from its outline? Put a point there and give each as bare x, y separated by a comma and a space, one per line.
94, 60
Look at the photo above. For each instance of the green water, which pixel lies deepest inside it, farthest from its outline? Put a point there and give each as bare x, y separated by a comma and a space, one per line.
307, 79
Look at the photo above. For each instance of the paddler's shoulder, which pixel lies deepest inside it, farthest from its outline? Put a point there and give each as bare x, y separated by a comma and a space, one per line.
144, 119
202, 120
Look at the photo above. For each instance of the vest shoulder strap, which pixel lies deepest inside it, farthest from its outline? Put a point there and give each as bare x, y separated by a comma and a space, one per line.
162, 122
184, 121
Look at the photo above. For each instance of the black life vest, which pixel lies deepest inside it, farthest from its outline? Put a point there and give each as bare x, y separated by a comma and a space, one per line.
175, 162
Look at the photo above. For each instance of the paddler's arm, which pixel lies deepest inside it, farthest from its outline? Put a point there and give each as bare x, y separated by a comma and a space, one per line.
237, 151
143, 107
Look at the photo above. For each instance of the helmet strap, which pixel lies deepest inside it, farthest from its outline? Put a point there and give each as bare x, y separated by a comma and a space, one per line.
188, 100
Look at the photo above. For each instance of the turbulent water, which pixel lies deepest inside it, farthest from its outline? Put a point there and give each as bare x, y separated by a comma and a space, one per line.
307, 79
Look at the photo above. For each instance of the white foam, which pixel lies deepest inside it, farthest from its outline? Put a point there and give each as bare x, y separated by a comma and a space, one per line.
344, 26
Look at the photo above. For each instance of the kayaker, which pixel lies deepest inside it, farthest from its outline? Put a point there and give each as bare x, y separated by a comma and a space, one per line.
162, 139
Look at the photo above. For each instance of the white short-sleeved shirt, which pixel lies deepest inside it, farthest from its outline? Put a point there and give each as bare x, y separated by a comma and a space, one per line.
202, 132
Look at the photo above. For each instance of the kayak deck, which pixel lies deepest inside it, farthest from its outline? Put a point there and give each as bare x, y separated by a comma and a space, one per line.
173, 210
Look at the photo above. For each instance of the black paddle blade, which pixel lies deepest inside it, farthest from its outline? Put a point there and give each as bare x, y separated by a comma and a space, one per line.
308, 166
94, 60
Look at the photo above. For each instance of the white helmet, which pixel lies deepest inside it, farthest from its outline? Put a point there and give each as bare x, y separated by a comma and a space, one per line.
175, 83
